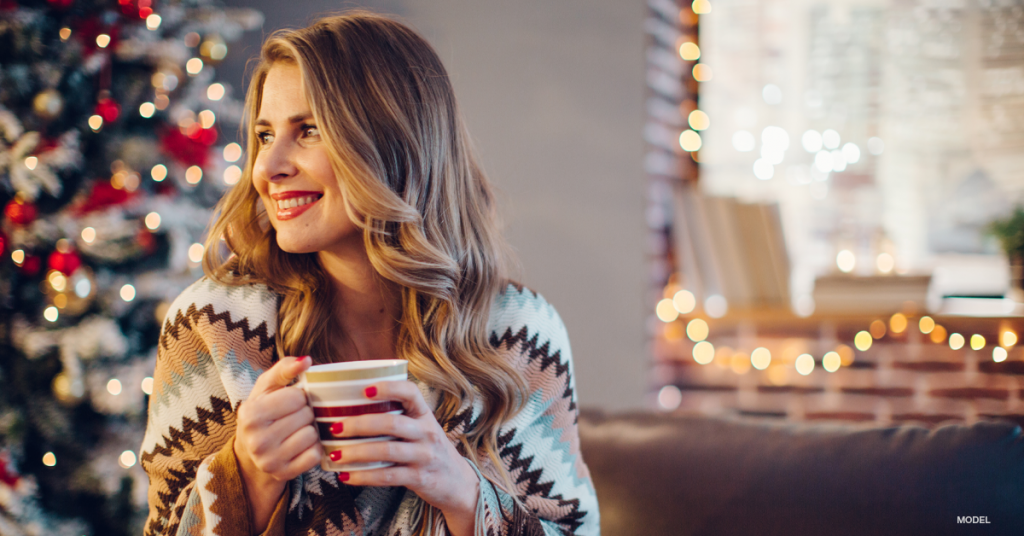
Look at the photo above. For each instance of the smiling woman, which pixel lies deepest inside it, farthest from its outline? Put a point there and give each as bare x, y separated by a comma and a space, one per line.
362, 228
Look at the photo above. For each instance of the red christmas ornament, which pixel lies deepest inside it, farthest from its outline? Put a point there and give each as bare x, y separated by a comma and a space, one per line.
20, 212
3, 245
31, 265
65, 263
108, 109
103, 195
146, 241
60, 4
90, 29
7, 474
188, 151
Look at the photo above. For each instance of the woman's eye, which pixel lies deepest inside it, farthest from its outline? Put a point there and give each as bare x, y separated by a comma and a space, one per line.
310, 131
264, 137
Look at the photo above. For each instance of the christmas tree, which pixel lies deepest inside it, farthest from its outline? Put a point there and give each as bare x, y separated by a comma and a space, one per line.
112, 153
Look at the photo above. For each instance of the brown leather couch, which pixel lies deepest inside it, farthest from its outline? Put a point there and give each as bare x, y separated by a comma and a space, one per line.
681, 475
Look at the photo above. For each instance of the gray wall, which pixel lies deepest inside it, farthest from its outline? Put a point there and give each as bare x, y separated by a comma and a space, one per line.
552, 93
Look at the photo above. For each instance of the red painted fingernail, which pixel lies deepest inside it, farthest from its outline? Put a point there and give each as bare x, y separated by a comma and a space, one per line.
337, 427
371, 391
342, 477
303, 358
335, 456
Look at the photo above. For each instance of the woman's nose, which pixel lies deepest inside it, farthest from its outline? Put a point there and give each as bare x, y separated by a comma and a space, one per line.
278, 161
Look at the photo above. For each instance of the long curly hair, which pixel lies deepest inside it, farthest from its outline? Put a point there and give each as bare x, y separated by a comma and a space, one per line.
386, 109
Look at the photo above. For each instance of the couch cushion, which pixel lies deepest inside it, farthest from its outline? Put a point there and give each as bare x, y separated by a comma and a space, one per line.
662, 474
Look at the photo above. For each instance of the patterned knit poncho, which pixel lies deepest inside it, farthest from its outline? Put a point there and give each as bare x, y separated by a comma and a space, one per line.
218, 339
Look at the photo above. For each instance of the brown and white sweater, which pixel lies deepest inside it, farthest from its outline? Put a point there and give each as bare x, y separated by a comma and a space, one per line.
218, 339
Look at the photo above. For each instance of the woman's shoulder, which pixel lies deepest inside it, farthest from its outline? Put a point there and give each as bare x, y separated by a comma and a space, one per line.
519, 314
211, 302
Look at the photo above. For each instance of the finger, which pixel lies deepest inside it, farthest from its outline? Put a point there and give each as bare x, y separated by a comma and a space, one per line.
381, 424
299, 441
381, 451
281, 374
289, 424
279, 404
405, 392
387, 476
305, 461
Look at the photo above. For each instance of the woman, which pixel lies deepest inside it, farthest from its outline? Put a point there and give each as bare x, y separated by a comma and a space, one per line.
363, 228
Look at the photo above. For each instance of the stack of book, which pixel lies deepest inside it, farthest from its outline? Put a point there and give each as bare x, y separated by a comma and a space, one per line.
732, 249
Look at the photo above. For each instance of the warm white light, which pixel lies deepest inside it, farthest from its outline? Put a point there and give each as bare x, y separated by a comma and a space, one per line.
763, 169
18, 256
147, 109
102, 40
195, 253
716, 306
232, 174
114, 387
126, 459
863, 340
846, 261
690, 141
689, 51
811, 141
147, 385
127, 293
956, 341
669, 397
57, 280
31, 162
194, 66
771, 94
926, 324
876, 146
95, 122
49, 459
194, 174
684, 301
232, 152
743, 141
665, 310
65, 33
823, 161
775, 138
88, 235
697, 330
159, 172
152, 221
831, 361
999, 354
805, 364
703, 352
50, 313
851, 153
153, 21
699, 120
830, 138
977, 342
760, 358
215, 92
1007, 338
702, 73
207, 118
701, 7
885, 263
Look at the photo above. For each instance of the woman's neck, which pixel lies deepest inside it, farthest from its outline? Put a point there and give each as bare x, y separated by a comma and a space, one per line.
367, 308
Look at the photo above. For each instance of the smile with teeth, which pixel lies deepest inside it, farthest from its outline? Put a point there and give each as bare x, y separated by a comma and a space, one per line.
296, 202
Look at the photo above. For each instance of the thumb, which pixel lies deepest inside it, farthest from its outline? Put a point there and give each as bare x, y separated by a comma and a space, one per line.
282, 373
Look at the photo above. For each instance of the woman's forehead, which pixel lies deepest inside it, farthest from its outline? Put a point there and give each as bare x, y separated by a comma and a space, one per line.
282, 96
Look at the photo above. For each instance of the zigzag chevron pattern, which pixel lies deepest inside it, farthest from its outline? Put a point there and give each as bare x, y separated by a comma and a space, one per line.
216, 341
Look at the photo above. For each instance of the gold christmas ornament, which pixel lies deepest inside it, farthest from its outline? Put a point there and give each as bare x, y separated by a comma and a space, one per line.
71, 295
48, 104
67, 390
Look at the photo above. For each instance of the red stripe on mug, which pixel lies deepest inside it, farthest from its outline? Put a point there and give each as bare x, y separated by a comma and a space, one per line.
325, 433
351, 411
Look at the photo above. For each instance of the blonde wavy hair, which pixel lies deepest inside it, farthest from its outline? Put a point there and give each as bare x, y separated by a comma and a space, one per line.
385, 107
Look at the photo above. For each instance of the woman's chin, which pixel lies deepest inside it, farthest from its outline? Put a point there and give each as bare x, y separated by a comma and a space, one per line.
295, 246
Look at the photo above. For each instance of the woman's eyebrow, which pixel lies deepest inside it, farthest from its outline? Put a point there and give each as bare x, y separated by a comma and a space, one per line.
297, 118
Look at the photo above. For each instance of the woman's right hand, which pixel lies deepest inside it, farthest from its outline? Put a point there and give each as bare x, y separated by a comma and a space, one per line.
275, 440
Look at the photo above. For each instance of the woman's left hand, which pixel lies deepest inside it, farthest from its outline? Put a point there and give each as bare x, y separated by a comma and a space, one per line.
427, 463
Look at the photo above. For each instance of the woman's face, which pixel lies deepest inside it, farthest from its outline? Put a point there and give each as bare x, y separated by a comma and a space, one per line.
293, 173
